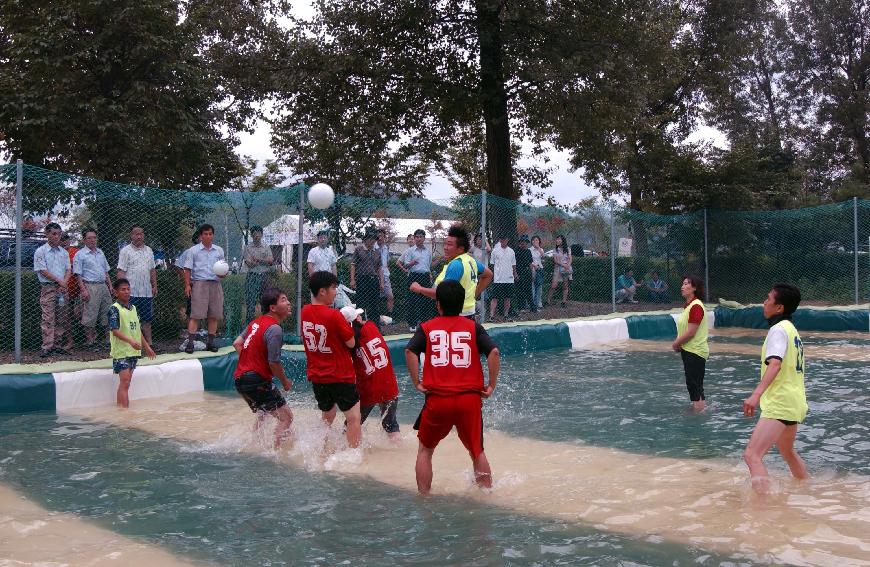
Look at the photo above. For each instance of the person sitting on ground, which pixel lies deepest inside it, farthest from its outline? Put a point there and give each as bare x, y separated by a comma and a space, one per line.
259, 350
375, 377
452, 382
658, 289
781, 393
126, 342
327, 338
626, 287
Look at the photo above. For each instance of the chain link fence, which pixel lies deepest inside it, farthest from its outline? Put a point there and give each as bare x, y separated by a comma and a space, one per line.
548, 262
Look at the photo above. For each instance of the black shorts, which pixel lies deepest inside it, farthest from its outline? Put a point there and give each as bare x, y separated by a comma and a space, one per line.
502, 290
695, 367
260, 394
388, 414
329, 395
787, 422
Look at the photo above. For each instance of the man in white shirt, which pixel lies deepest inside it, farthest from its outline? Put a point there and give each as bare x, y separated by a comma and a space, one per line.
52, 266
384, 249
504, 268
322, 258
136, 264
92, 271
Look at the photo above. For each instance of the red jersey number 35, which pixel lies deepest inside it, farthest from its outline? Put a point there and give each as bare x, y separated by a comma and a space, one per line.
315, 337
450, 348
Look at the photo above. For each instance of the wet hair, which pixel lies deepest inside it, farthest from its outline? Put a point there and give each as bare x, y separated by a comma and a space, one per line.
87, 230
321, 280
458, 232
788, 296
205, 227
697, 283
269, 298
51, 226
119, 282
450, 296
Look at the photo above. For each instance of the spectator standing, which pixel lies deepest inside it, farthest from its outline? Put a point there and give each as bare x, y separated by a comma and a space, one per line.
626, 287
322, 258
137, 265
504, 263
203, 287
478, 251
525, 276
92, 272
258, 259
538, 278
73, 293
52, 266
383, 249
562, 270
417, 263
367, 278
658, 289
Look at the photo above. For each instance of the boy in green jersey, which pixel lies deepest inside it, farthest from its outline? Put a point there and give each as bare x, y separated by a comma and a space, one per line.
781, 392
126, 340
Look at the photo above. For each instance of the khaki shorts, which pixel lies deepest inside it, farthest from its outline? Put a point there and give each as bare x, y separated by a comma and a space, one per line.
206, 300
96, 309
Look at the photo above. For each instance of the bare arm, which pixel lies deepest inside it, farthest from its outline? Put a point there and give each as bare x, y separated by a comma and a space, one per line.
121, 336
426, 291
483, 282
237, 344
493, 362
685, 337
413, 363
278, 371
153, 275
311, 268
770, 374
187, 282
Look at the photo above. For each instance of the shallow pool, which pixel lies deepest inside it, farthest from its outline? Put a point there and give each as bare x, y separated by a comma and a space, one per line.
596, 462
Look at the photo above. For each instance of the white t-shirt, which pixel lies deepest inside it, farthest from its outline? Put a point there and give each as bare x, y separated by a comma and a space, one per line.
503, 260
777, 343
322, 258
137, 263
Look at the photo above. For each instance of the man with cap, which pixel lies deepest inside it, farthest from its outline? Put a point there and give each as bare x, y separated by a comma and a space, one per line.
417, 262
258, 259
367, 277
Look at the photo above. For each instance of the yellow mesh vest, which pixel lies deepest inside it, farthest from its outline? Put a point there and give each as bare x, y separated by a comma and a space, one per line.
129, 326
468, 280
786, 396
698, 343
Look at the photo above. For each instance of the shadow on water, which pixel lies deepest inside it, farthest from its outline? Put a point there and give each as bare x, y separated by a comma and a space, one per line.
232, 508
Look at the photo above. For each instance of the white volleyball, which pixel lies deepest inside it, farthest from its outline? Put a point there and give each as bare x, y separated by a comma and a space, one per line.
221, 268
321, 196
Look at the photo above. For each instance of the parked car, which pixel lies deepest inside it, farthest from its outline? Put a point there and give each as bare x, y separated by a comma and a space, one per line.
7, 253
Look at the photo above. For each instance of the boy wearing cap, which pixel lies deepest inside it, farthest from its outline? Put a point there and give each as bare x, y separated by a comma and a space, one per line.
375, 377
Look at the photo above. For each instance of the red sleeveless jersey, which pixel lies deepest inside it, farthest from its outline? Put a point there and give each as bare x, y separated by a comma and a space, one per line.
254, 356
325, 332
375, 377
452, 364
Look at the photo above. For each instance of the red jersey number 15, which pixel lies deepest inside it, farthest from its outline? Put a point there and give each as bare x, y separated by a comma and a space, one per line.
375, 358
450, 348
315, 337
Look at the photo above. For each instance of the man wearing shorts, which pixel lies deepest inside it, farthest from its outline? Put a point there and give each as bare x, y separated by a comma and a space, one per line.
203, 287
125, 340
259, 349
452, 382
92, 272
781, 392
136, 263
375, 377
327, 338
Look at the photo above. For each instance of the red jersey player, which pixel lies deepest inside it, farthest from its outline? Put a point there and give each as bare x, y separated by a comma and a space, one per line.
328, 336
375, 377
452, 382
259, 349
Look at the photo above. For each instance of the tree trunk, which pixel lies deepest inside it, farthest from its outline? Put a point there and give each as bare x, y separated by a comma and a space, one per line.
635, 190
493, 101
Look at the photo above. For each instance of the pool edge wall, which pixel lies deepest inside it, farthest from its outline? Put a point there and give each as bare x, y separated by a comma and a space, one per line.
22, 392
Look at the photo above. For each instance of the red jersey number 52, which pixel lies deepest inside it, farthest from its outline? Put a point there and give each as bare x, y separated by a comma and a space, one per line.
315, 337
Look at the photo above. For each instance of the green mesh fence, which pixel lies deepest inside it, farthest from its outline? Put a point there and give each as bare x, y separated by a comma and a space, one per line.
610, 253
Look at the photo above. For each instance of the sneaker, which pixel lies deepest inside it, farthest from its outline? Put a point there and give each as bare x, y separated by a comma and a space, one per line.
413, 328
60, 351
632, 301
188, 346
211, 347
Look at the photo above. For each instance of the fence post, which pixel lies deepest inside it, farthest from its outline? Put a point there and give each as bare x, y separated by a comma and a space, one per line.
299, 260
612, 259
706, 262
19, 187
855, 221
483, 241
